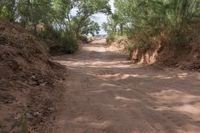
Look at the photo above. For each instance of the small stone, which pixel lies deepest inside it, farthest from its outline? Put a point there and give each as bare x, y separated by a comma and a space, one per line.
36, 113
33, 77
29, 116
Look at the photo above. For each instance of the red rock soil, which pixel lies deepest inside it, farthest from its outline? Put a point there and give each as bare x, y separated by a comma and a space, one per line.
103, 92
29, 81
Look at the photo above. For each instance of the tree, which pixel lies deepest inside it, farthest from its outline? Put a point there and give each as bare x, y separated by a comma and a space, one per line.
153, 15
86, 8
55, 16
8, 9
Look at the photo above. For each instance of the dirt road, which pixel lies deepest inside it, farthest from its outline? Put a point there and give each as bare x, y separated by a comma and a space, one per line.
105, 93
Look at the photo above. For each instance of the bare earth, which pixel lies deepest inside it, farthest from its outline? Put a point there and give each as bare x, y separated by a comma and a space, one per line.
105, 93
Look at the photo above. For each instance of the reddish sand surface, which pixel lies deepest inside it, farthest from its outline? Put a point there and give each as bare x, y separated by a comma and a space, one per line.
105, 93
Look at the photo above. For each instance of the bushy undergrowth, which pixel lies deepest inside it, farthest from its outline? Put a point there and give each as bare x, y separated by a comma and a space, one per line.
67, 46
110, 38
69, 43
175, 41
154, 22
64, 41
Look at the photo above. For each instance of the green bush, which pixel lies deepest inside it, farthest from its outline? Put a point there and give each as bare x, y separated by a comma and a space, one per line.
179, 38
66, 44
69, 44
83, 38
110, 38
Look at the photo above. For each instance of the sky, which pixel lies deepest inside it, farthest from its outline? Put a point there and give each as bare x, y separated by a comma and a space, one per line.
100, 18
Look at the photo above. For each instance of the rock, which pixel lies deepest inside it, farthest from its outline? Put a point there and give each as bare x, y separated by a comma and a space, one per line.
29, 116
37, 114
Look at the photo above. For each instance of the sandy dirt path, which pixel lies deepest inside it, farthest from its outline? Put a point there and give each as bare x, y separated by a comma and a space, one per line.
105, 93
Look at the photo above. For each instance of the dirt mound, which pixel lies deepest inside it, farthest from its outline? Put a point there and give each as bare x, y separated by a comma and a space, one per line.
29, 81
184, 55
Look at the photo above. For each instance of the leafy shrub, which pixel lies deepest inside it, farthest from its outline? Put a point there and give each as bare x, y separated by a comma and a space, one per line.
83, 38
67, 44
110, 38
182, 37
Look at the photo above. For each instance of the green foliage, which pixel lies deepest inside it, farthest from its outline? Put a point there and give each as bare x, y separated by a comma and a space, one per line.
143, 20
81, 22
56, 18
181, 38
110, 38
69, 43
66, 42
130, 48
83, 38
23, 123
7, 9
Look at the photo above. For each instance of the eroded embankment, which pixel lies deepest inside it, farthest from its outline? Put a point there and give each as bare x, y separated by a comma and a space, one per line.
29, 81
183, 53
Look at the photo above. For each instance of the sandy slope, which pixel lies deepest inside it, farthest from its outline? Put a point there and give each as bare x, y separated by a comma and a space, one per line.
107, 94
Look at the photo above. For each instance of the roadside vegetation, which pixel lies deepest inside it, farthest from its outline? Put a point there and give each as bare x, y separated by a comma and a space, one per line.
62, 22
148, 23
98, 89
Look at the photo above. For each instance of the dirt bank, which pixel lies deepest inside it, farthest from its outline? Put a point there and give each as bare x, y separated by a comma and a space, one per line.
29, 81
182, 52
